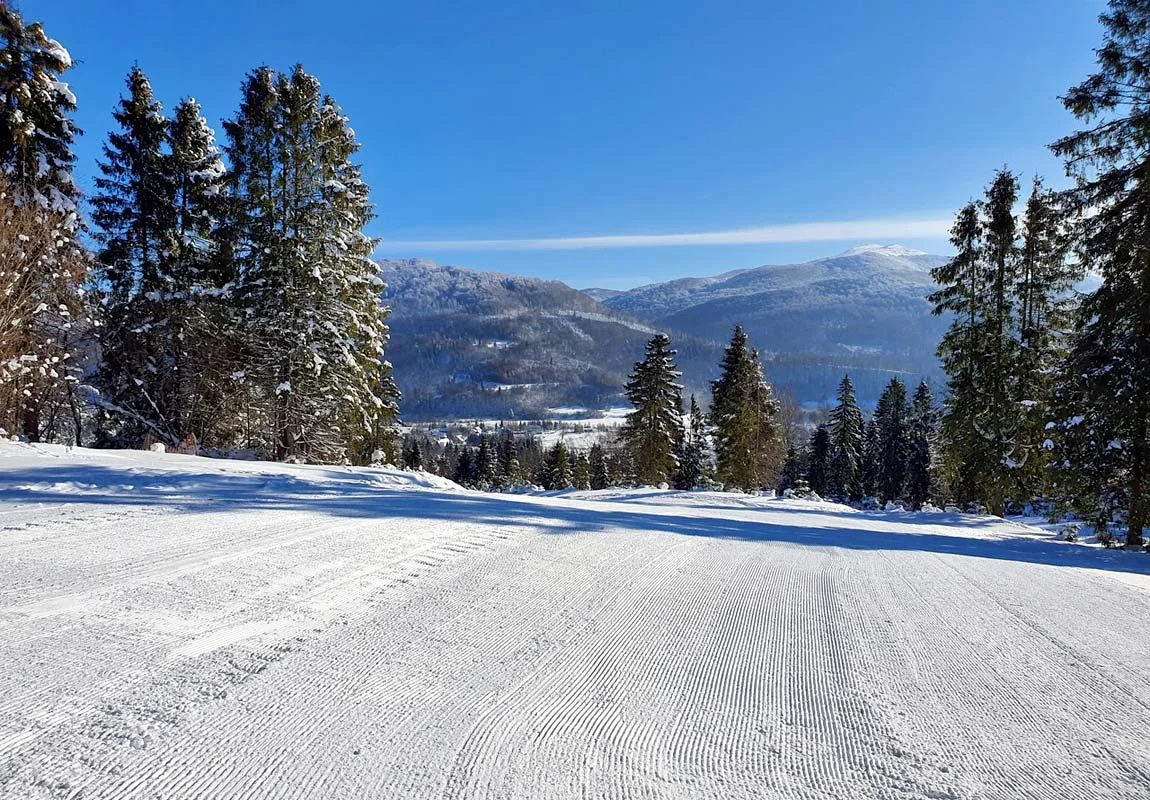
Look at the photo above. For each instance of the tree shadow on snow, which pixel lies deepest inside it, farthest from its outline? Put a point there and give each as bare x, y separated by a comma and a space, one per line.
345, 494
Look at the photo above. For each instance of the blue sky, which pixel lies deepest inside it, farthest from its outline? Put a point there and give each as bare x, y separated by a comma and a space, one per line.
583, 121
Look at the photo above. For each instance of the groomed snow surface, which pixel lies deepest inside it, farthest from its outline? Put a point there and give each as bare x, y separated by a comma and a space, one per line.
174, 627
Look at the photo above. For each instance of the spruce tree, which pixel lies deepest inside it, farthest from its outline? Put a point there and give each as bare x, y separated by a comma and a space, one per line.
1107, 404
694, 460
891, 421
309, 292
921, 444
135, 216
872, 458
201, 323
962, 293
486, 465
413, 455
1045, 310
792, 471
510, 473
464, 473
581, 472
557, 468
653, 431
846, 429
600, 477
1000, 421
819, 460
747, 437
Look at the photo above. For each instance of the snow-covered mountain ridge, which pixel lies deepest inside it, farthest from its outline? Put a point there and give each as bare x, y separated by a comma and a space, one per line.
472, 343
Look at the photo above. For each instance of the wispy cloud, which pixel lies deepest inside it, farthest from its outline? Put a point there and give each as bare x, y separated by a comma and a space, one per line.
870, 230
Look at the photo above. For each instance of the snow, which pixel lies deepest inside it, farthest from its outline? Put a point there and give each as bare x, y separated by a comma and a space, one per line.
173, 626
895, 250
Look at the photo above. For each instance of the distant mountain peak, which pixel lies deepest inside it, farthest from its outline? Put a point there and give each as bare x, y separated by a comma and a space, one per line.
895, 250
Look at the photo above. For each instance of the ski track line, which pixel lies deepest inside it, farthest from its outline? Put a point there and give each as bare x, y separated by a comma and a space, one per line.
289, 731
980, 697
463, 545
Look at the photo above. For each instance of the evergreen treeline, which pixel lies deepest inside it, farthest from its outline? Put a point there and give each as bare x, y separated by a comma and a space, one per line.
231, 300
1048, 390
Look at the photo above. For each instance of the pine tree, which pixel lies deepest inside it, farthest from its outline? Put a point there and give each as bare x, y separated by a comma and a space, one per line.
652, 431
557, 468
1108, 447
819, 460
891, 421
846, 429
922, 433
135, 216
744, 412
694, 460
600, 479
42, 296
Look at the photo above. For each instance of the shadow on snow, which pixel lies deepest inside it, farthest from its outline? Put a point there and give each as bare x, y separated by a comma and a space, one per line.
352, 494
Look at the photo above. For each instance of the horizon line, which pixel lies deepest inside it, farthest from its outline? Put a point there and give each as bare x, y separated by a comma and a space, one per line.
873, 229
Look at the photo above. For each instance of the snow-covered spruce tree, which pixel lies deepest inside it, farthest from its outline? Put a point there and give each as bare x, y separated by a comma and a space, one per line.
819, 460
486, 465
1110, 161
135, 217
747, 436
42, 303
600, 477
197, 302
309, 292
557, 468
844, 477
921, 446
653, 431
694, 457
510, 472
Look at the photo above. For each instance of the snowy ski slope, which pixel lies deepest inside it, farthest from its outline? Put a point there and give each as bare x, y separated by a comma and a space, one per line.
173, 627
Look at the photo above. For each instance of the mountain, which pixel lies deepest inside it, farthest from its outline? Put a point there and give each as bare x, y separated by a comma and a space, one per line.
864, 310
466, 343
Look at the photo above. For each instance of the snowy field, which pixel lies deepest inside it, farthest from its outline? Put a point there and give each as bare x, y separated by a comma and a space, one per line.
173, 627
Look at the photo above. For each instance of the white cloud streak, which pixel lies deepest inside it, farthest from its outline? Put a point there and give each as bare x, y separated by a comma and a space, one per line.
870, 230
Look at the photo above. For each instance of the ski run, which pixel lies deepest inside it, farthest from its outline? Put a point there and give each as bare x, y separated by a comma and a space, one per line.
178, 627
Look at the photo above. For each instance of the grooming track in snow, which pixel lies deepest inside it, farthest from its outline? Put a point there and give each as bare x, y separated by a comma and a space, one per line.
173, 627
